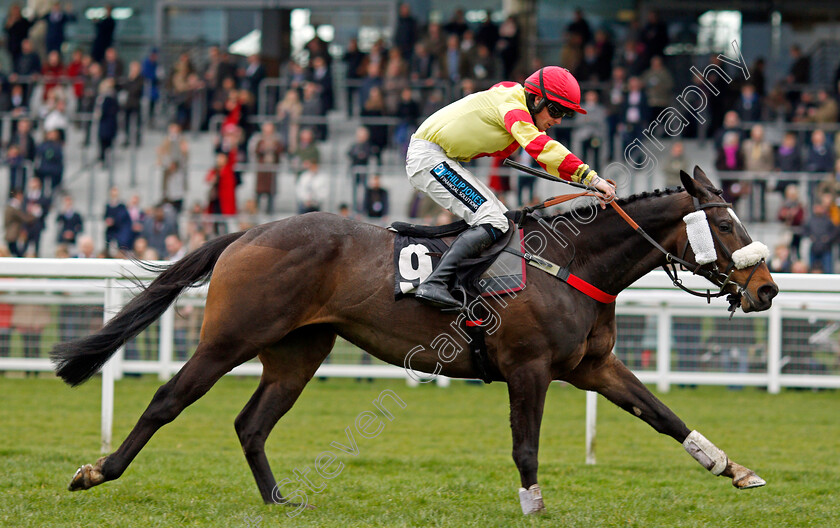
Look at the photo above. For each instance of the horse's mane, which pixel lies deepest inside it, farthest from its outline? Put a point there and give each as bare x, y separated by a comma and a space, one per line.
644, 195
633, 198
656, 193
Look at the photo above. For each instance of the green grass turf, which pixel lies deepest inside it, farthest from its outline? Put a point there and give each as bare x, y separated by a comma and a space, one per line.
443, 461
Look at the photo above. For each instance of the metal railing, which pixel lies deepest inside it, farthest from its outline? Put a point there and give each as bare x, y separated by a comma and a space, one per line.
665, 336
653, 322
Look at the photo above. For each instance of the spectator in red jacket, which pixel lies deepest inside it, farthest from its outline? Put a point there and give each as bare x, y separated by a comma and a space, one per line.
53, 70
222, 199
75, 70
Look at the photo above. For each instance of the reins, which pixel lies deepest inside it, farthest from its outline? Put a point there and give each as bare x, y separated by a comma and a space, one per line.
715, 276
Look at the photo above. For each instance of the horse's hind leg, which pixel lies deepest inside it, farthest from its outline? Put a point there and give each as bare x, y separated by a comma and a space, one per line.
287, 368
612, 379
209, 363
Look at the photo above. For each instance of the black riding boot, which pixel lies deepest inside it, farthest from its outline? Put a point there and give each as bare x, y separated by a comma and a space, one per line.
435, 289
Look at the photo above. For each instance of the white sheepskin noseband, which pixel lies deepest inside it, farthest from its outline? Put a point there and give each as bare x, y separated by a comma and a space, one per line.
750, 255
700, 237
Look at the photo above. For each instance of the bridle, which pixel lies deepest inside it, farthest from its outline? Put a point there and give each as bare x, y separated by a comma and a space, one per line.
712, 273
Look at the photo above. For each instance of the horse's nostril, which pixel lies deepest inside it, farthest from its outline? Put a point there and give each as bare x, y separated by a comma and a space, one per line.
767, 292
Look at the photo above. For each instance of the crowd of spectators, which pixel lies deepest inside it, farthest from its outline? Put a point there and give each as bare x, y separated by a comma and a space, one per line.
52, 95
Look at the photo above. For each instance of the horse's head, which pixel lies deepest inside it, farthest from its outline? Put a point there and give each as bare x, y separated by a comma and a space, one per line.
720, 243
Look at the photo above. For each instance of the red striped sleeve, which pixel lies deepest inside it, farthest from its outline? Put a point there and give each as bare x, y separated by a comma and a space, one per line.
504, 153
569, 165
515, 116
536, 146
508, 151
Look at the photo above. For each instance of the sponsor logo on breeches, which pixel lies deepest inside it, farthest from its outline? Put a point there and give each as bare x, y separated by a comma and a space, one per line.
458, 186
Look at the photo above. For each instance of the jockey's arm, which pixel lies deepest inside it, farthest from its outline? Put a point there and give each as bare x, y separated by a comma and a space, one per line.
555, 158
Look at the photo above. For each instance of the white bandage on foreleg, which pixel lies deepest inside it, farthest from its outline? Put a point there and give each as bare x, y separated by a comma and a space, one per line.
705, 452
700, 237
750, 255
531, 499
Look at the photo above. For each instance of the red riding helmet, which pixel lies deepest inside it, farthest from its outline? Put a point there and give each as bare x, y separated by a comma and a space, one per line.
555, 85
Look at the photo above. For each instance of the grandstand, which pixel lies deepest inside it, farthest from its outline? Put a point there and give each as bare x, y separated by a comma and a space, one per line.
332, 56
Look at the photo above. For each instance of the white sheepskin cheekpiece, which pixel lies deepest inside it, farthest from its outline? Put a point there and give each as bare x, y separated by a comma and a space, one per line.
750, 255
700, 237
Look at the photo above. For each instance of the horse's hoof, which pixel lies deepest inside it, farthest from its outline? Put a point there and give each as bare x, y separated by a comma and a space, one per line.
86, 477
751, 480
743, 478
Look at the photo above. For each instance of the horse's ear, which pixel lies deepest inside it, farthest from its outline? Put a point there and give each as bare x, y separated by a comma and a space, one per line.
689, 183
701, 176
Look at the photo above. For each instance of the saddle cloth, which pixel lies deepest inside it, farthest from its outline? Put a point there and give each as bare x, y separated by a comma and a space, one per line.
418, 249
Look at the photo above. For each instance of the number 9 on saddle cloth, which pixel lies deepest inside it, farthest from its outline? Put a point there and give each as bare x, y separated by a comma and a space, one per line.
417, 250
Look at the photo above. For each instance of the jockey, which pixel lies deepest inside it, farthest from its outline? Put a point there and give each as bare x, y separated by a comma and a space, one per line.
494, 122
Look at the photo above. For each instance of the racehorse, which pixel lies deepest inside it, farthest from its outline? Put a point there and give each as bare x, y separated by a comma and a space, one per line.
283, 291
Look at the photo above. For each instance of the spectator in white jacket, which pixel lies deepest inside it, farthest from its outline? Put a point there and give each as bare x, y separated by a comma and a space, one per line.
311, 188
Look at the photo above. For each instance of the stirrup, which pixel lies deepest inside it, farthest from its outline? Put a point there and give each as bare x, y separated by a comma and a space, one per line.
457, 309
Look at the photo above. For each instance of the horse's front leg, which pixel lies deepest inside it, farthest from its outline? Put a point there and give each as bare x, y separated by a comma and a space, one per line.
612, 379
527, 386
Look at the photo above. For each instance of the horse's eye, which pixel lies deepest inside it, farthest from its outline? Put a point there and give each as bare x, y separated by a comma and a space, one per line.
725, 227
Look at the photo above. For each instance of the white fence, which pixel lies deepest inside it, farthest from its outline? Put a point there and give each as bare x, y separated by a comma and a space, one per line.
666, 336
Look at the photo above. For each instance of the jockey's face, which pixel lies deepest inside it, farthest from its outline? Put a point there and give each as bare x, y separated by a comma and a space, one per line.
543, 119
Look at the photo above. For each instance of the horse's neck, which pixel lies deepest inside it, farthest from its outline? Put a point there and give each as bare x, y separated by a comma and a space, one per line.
611, 256
661, 218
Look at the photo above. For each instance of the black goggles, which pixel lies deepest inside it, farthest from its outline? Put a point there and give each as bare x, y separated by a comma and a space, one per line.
556, 111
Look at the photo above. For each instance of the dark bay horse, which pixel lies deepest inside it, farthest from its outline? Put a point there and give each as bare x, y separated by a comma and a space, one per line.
283, 291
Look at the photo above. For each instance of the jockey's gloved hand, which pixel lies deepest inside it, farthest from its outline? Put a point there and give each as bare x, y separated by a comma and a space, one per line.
604, 186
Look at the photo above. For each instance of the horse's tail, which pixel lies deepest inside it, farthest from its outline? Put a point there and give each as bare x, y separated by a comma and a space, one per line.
78, 360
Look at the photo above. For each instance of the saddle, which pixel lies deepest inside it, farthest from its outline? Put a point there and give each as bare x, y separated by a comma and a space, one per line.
497, 270
418, 248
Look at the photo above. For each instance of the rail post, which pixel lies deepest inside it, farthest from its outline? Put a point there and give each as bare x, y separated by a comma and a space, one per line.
167, 339
774, 349
112, 369
663, 349
591, 420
